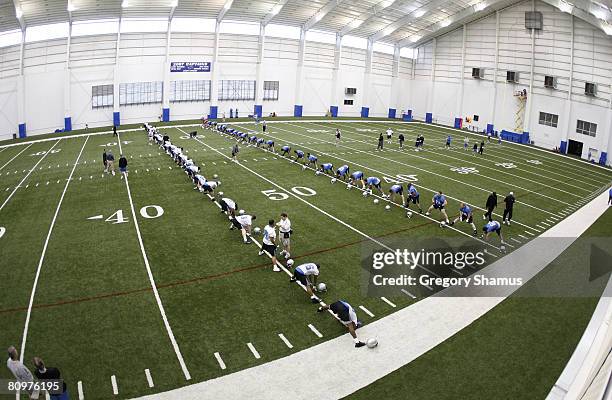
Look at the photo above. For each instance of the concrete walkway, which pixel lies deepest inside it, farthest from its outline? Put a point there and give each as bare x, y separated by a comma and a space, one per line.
335, 368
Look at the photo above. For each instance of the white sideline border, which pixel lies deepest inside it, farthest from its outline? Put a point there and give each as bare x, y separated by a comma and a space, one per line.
276, 379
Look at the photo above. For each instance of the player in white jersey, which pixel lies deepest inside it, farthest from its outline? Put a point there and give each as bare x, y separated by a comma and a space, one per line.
307, 275
210, 187
228, 205
389, 135
347, 316
198, 181
244, 222
269, 243
284, 231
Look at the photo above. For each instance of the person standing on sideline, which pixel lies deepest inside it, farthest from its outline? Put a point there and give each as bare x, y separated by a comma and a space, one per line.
389, 135
50, 373
123, 165
475, 149
284, 231
509, 200
490, 206
114, 130
381, 142
481, 147
466, 143
19, 371
235, 151
337, 136
610, 198
110, 163
269, 243
105, 161
401, 140
264, 126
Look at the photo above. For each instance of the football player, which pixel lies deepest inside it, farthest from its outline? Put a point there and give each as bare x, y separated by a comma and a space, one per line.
439, 202
347, 316
307, 275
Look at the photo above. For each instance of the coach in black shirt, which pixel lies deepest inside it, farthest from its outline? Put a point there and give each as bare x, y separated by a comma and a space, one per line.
43, 373
509, 200
491, 204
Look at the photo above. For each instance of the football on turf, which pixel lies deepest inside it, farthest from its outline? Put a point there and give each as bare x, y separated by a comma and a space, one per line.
256, 230
321, 287
333, 180
303, 167
215, 176
365, 194
220, 193
289, 262
348, 187
387, 207
442, 224
318, 173
241, 212
375, 201
371, 343
409, 214
502, 248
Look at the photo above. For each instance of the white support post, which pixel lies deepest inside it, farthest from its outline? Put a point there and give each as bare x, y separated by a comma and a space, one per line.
67, 77
430, 102
495, 69
334, 99
116, 79
260, 58
21, 83
459, 108
214, 82
367, 77
567, 110
300, 68
395, 82
527, 120
166, 73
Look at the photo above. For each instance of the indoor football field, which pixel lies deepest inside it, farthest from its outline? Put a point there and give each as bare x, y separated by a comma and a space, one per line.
136, 285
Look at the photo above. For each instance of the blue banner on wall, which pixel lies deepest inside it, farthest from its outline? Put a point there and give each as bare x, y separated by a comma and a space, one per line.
190, 66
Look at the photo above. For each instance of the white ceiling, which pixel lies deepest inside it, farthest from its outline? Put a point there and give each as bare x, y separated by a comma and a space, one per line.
390, 21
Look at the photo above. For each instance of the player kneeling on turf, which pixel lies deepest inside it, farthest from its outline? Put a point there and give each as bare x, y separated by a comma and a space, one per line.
270, 144
465, 215
397, 190
243, 222
347, 316
357, 176
312, 161
285, 150
374, 182
490, 227
327, 168
413, 197
228, 206
439, 203
299, 155
342, 172
307, 275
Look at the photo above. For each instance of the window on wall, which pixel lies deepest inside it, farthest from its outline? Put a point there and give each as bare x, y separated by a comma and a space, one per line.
236, 90
270, 90
102, 96
197, 90
549, 119
586, 128
140, 93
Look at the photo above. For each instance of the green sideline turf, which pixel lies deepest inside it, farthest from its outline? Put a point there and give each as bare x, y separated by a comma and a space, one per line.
94, 304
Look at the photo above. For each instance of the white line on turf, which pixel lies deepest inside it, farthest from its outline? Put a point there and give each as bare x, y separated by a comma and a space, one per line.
365, 310
315, 330
17, 155
80, 390
220, 360
523, 236
149, 377
145, 258
408, 293
388, 302
26, 177
114, 384
285, 340
517, 241
253, 350
43, 253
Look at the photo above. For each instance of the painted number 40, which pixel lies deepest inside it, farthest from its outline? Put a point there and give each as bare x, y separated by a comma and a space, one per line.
118, 217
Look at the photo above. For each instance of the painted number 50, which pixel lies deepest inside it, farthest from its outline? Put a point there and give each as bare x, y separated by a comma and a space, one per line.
299, 190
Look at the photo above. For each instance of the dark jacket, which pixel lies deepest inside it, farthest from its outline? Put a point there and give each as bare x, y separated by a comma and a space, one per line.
509, 200
122, 162
492, 200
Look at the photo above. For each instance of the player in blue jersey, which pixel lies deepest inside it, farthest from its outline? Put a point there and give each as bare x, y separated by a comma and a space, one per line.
357, 176
439, 202
260, 141
312, 161
397, 190
489, 228
327, 168
465, 215
285, 150
413, 197
373, 182
342, 172
270, 144
448, 141
299, 155
253, 140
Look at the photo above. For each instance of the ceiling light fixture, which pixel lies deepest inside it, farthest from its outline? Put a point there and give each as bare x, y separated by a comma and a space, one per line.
480, 6
71, 7
415, 38
565, 7
174, 3
445, 23
18, 13
125, 4
419, 13
276, 9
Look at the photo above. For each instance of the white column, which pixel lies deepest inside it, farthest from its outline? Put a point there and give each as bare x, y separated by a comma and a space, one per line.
430, 104
495, 69
21, 119
567, 109
459, 109
365, 99
214, 82
394, 101
527, 120
116, 79
166, 74
260, 58
334, 99
67, 75
300, 68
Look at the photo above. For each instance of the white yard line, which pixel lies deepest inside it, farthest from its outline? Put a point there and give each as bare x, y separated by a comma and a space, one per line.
80, 390
315, 330
220, 360
28, 174
408, 293
17, 155
44, 251
285, 340
365, 310
114, 385
523, 236
388, 302
149, 378
253, 350
145, 258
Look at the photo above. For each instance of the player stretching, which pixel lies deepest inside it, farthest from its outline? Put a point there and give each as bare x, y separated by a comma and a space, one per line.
307, 275
439, 202
342, 172
347, 316
269, 243
312, 161
244, 222
327, 168
285, 150
490, 227
465, 215
270, 144
397, 190
299, 155
374, 182
413, 197
357, 176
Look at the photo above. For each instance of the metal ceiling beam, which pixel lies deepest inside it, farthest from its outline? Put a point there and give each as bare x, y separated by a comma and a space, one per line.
274, 12
455, 21
17, 5
413, 16
367, 16
226, 7
323, 11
